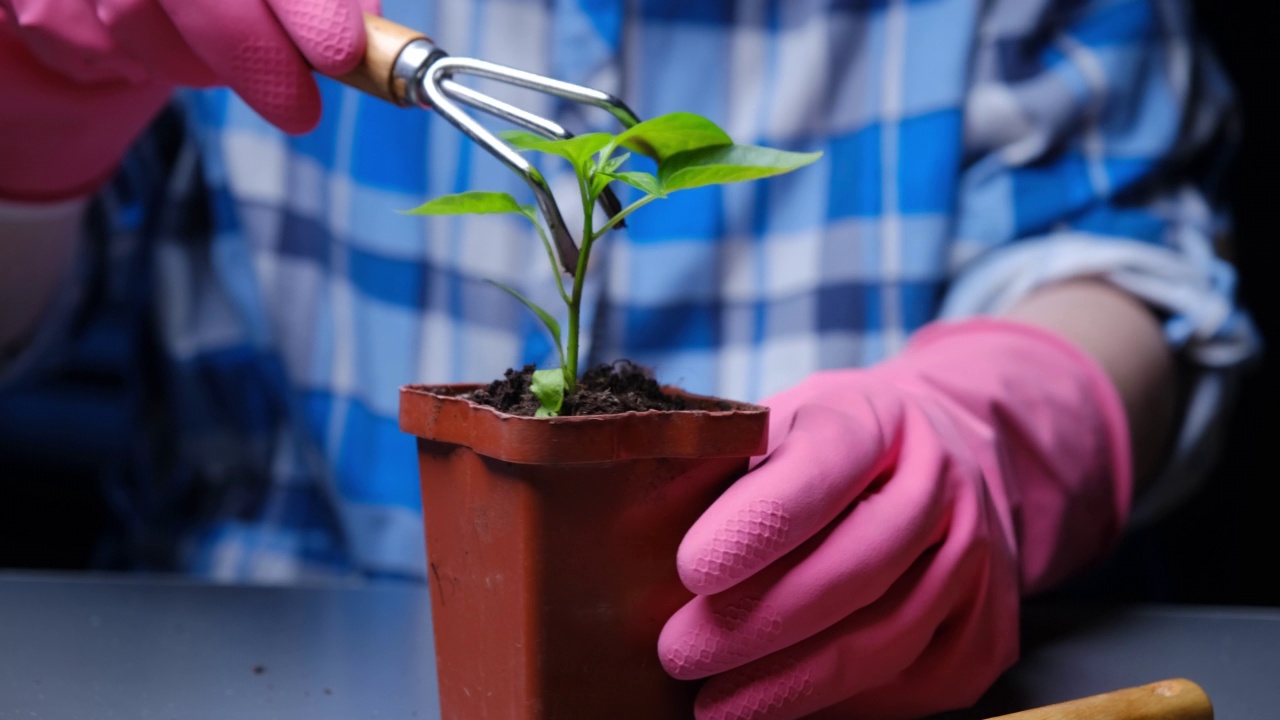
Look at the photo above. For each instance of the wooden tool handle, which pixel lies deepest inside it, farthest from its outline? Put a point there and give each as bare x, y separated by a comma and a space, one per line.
385, 40
1165, 700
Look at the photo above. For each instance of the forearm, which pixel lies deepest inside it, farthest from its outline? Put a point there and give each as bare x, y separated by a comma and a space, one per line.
1126, 339
37, 250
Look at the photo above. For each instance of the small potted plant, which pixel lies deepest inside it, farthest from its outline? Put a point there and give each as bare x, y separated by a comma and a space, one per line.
554, 502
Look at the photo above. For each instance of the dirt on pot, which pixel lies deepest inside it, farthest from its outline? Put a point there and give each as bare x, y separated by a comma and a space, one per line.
602, 390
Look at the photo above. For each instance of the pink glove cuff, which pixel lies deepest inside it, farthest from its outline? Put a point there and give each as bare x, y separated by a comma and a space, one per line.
1038, 353
83, 78
60, 139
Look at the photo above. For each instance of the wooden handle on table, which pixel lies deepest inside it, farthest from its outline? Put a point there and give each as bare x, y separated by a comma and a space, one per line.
1165, 700
385, 40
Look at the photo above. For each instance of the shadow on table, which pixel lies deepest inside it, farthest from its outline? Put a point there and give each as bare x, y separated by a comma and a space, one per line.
1041, 628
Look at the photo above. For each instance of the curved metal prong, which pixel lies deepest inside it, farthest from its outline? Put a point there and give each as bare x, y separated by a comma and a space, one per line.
434, 88
533, 123
551, 86
512, 114
565, 247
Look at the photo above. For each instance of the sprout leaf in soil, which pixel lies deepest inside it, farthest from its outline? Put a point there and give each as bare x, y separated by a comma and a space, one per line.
690, 151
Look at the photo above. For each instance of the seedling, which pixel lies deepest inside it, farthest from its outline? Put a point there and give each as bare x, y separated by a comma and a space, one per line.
691, 151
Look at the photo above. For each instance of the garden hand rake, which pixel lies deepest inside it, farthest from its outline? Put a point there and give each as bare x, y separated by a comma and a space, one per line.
405, 67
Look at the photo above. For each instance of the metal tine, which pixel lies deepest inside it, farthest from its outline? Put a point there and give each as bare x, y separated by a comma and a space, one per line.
542, 83
440, 70
435, 98
533, 123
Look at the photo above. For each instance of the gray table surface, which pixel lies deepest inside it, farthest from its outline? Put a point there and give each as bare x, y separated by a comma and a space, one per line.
128, 648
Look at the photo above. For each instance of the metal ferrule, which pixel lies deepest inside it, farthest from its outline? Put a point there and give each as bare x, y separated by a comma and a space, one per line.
411, 64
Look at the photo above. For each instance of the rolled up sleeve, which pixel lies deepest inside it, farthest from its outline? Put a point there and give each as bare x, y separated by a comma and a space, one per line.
1095, 134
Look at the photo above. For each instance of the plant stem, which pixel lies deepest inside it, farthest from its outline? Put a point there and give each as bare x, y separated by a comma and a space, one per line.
579, 275
622, 214
551, 256
589, 236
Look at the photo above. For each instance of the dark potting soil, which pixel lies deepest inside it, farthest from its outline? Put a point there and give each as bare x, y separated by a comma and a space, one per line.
602, 390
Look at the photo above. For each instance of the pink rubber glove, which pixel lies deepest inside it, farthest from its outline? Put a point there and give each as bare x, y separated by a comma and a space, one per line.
82, 78
872, 564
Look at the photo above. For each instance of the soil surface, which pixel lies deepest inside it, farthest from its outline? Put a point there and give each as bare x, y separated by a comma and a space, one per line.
602, 390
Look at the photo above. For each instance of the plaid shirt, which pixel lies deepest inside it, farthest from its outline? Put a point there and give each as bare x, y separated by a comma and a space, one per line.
255, 300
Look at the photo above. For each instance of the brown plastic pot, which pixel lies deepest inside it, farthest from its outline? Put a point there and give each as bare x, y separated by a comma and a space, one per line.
551, 546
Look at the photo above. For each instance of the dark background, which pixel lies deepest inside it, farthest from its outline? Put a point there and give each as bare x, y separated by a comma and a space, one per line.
1245, 37
1223, 546
1220, 548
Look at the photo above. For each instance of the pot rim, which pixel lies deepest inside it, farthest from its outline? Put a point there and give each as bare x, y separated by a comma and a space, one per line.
438, 413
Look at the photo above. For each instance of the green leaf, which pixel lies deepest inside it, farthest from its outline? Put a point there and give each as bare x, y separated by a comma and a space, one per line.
612, 164
642, 181
727, 164
604, 174
548, 387
473, 203
599, 181
667, 135
577, 150
552, 326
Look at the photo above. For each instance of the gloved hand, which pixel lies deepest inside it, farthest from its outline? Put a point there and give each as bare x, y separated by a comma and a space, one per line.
872, 564
82, 78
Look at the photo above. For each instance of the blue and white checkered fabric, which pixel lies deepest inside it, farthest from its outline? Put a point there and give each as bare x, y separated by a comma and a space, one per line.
972, 151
